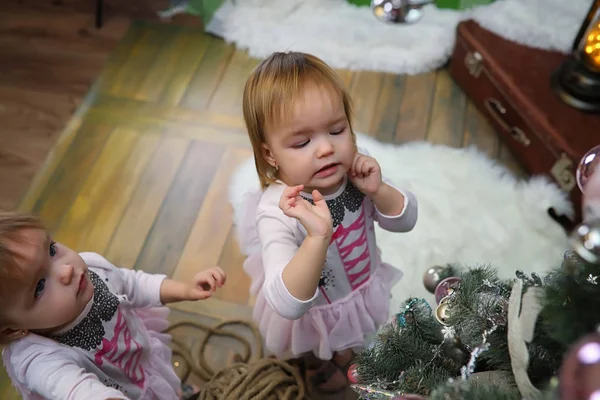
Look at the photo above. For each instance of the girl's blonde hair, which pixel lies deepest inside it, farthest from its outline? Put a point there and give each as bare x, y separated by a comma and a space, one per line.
270, 93
11, 225
12, 275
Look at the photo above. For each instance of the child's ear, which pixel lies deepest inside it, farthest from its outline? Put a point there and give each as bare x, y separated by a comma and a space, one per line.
8, 334
268, 155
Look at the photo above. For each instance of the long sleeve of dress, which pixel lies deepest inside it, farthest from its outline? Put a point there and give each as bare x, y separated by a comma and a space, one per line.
406, 220
279, 245
142, 289
48, 371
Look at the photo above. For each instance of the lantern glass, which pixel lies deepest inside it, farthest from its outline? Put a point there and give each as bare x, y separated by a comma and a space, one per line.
588, 49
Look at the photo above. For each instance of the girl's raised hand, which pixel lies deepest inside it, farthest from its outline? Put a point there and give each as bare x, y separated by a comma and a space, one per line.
205, 283
365, 174
316, 218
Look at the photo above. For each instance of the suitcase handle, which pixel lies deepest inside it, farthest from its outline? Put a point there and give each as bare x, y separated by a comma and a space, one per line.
497, 111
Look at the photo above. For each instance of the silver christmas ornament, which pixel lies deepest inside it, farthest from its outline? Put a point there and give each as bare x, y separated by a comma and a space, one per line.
585, 241
432, 277
399, 11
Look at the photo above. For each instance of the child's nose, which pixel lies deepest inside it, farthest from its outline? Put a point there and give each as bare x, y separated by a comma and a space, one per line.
66, 274
325, 148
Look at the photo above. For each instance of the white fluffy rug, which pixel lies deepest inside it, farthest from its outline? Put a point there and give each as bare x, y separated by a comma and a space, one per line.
471, 211
350, 37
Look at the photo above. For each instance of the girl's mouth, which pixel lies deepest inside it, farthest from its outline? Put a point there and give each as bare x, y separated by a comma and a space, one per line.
327, 170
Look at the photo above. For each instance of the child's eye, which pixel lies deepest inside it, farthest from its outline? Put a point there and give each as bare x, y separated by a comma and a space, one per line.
300, 145
337, 132
39, 288
53, 249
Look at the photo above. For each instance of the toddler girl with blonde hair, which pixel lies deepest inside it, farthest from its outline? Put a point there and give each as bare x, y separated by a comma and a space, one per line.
320, 283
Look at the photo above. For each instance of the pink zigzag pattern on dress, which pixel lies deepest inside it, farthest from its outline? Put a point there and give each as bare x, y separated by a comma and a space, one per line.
125, 359
340, 236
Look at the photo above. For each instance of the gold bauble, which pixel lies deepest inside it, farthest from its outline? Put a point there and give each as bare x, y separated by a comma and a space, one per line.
442, 312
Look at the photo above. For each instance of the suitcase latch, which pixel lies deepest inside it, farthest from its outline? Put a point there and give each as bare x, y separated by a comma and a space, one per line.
474, 63
562, 171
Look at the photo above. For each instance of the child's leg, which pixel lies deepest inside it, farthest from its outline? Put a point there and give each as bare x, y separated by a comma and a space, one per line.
324, 375
343, 359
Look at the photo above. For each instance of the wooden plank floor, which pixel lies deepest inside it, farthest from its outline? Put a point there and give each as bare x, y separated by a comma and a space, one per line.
50, 54
140, 174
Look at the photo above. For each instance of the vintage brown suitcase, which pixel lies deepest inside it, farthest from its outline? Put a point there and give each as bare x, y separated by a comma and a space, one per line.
510, 84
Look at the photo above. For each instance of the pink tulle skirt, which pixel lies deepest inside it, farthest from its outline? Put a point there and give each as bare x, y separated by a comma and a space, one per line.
344, 324
162, 381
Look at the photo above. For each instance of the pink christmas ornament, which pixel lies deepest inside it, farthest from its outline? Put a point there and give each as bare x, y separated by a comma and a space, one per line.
580, 371
352, 374
586, 167
588, 180
445, 288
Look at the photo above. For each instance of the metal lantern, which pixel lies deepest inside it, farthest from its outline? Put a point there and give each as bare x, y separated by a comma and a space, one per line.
404, 11
577, 81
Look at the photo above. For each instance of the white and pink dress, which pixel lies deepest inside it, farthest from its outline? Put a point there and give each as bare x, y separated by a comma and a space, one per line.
353, 295
114, 349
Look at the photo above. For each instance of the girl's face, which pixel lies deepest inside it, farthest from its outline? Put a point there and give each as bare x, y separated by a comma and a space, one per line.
57, 286
315, 146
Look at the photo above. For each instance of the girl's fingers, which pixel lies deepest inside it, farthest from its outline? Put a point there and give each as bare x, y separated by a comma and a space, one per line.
285, 203
366, 168
358, 169
355, 164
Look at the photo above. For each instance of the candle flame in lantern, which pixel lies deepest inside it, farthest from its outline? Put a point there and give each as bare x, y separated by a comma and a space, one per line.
591, 47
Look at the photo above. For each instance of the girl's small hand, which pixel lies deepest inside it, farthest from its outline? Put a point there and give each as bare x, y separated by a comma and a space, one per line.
206, 282
316, 218
365, 174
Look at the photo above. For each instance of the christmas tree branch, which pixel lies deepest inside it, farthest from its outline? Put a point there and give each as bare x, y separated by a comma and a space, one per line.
479, 304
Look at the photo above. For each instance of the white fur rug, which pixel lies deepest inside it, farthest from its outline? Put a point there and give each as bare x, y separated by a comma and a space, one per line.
350, 37
472, 211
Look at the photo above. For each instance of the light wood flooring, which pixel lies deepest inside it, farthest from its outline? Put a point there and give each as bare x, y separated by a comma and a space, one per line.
140, 172
50, 54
